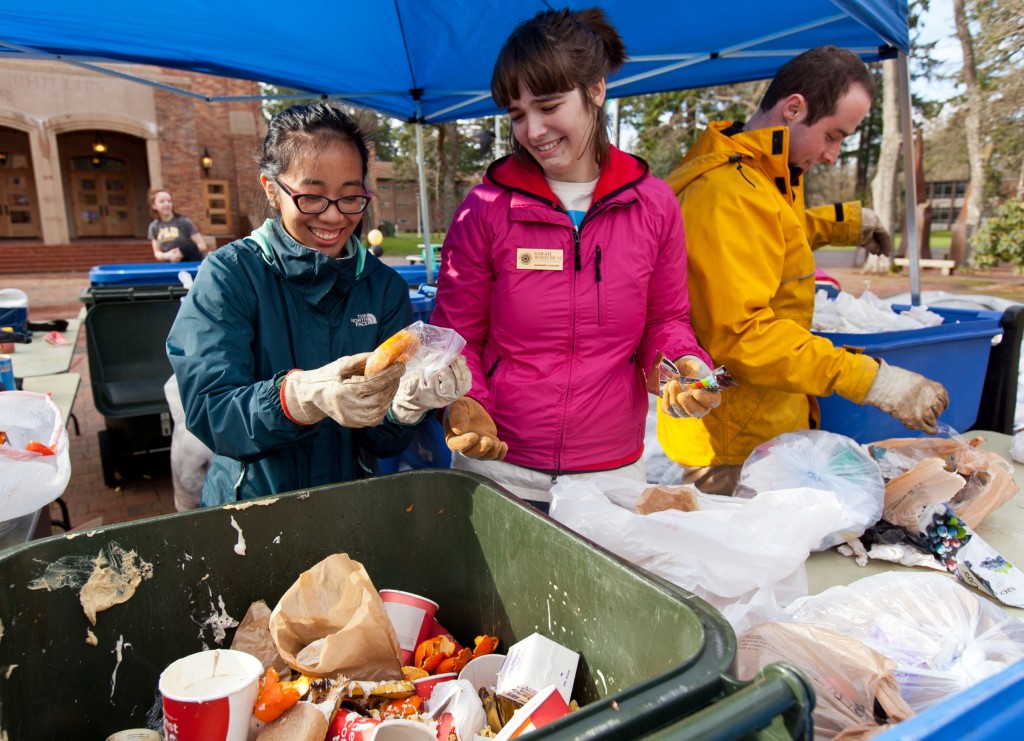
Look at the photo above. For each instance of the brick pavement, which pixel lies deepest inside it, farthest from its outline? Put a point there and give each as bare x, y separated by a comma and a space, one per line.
55, 296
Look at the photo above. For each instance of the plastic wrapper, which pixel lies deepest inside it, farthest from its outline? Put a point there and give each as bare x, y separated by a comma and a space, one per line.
856, 692
432, 349
745, 557
815, 459
987, 478
943, 638
665, 370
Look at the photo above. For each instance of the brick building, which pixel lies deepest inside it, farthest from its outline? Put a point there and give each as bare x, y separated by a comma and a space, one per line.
66, 206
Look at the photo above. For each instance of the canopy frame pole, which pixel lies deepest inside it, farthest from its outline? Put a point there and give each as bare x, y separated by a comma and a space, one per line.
428, 252
909, 181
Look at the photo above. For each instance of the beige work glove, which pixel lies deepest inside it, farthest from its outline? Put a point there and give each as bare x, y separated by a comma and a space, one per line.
873, 236
338, 390
417, 396
679, 400
911, 398
469, 429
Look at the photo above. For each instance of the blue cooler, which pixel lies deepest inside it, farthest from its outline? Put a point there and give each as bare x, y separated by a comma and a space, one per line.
422, 306
141, 274
954, 353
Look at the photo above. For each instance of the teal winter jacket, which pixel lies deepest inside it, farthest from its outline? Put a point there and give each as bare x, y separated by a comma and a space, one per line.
260, 307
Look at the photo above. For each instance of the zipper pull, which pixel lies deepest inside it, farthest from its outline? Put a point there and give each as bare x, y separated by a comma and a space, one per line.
597, 263
576, 247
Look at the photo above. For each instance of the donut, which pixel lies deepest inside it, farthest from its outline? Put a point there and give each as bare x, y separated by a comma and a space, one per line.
397, 348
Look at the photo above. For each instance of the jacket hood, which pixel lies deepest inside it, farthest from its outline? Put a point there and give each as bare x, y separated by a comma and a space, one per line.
767, 149
522, 174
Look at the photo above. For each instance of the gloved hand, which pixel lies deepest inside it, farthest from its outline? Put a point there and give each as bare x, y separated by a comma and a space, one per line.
911, 398
469, 429
416, 397
873, 236
678, 400
337, 390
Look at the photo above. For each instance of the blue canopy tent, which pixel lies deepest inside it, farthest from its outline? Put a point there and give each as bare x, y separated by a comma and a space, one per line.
429, 62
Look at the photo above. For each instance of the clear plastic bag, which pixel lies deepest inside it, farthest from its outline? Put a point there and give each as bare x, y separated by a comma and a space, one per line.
819, 460
30, 480
943, 637
424, 349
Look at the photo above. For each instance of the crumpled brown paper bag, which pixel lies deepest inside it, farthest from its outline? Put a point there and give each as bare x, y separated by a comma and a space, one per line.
253, 637
336, 605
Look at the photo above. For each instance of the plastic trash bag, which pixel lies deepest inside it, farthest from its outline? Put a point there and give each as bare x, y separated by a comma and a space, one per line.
745, 557
31, 480
816, 459
943, 637
190, 458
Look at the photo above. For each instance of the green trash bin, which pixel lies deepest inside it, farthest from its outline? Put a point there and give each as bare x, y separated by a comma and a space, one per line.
650, 653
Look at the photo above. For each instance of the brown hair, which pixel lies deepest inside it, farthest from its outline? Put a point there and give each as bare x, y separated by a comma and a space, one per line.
557, 51
152, 198
822, 75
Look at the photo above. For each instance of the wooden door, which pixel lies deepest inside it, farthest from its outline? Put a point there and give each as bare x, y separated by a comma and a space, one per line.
19, 210
216, 207
101, 198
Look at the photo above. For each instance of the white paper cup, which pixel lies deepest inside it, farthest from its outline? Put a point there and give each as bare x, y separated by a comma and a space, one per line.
483, 670
209, 696
397, 729
412, 616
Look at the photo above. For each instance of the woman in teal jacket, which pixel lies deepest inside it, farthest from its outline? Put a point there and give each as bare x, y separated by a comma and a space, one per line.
301, 292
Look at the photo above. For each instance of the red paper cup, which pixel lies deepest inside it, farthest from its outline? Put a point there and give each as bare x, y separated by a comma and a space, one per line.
351, 726
426, 685
412, 616
545, 707
209, 696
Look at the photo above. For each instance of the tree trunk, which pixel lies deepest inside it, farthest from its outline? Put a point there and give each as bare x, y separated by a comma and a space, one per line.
972, 122
884, 186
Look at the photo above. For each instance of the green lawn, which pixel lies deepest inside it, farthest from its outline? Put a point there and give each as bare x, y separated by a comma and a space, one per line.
407, 244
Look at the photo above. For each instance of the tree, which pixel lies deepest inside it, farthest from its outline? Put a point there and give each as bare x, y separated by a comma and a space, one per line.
972, 119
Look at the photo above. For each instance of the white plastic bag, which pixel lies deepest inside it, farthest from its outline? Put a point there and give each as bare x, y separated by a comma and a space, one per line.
29, 480
745, 557
190, 458
943, 637
816, 459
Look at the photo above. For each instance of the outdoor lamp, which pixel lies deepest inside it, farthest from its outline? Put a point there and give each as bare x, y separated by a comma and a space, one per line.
98, 145
3, 158
206, 161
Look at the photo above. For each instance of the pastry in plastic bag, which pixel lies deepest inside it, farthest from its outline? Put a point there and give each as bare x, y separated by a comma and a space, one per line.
423, 348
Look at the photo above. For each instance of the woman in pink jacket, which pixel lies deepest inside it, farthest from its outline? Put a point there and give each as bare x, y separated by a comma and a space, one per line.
566, 273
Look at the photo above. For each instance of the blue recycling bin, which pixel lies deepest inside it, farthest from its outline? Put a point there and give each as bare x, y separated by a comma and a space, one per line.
141, 274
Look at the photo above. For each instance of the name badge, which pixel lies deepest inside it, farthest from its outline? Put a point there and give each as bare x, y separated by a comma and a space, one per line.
527, 259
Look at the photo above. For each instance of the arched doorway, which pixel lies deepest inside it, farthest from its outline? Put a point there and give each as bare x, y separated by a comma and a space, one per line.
19, 203
106, 179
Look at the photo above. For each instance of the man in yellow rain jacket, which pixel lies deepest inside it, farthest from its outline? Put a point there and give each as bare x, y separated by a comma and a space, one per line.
751, 272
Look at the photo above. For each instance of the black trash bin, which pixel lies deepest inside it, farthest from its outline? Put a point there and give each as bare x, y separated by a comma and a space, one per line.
126, 330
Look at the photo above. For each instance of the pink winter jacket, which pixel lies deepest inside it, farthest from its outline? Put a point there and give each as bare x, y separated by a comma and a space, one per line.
559, 355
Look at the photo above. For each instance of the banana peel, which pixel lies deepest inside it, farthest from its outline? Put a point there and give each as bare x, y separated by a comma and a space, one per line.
498, 709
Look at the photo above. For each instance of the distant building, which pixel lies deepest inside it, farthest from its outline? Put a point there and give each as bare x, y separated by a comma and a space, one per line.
397, 199
79, 151
946, 198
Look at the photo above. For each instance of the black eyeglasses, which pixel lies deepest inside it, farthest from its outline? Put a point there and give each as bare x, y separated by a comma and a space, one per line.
311, 204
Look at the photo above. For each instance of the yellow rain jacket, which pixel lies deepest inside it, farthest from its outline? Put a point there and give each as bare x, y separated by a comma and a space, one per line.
751, 283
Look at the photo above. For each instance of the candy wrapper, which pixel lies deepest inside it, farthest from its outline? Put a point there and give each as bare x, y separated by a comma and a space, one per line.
423, 348
664, 370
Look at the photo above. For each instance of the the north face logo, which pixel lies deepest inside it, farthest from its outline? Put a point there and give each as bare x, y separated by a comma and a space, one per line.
364, 320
